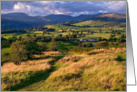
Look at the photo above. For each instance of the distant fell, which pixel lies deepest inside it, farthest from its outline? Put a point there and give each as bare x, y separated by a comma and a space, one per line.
22, 20
111, 17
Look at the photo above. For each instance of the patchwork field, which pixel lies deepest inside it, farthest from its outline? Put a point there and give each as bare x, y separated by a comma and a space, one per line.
70, 56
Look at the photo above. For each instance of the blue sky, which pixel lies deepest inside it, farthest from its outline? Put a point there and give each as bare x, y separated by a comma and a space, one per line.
73, 8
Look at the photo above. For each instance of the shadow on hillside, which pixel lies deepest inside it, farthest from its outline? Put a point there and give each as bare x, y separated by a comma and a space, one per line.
38, 76
92, 53
120, 59
44, 57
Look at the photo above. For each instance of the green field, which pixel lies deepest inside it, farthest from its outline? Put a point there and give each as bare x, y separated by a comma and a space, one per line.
5, 55
62, 64
81, 26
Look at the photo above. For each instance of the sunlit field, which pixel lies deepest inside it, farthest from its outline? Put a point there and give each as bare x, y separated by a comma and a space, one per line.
63, 46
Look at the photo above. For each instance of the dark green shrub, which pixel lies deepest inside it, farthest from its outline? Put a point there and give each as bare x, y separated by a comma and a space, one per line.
102, 44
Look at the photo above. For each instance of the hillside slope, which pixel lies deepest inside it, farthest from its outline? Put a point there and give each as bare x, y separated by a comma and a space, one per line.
111, 17
98, 70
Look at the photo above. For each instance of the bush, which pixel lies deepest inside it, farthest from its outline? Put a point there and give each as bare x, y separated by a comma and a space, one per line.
89, 45
102, 44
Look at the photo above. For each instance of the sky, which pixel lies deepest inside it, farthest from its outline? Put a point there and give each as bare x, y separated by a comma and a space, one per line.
72, 8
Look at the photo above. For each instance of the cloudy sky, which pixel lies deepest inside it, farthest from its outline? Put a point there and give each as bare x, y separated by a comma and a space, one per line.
73, 8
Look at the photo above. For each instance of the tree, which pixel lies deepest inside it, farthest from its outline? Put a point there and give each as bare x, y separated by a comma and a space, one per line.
28, 35
92, 32
77, 32
100, 31
42, 46
31, 46
53, 45
39, 28
118, 33
99, 38
81, 32
121, 39
89, 45
112, 38
18, 52
106, 31
34, 29
34, 35
67, 37
45, 31
60, 35
88, 31
112, 31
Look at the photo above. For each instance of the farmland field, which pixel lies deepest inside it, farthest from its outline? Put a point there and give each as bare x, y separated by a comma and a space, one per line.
87, 55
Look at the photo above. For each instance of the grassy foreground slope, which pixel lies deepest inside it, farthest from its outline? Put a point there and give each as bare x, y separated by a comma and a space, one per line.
98, 70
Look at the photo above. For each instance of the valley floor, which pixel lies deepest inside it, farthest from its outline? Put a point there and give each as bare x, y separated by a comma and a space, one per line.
97, 70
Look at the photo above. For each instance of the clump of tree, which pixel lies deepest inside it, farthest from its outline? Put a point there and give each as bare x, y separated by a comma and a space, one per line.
7, 42
47, 30
42, 46
31, 46
102, 39
18, 52
121, 39
21, 31
112, 38
85, 44
24, 49
53, 45
102, 44
89, 45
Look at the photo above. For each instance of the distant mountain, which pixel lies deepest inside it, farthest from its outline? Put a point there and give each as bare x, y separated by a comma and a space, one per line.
58, 18
86, 17
111, 17
21, 20
64, 18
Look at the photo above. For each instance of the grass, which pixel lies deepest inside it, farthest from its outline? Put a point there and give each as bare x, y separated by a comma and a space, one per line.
66, 45
90, 23
77, 69
5, 55
5, 50
94, 72
7, 36
19, 79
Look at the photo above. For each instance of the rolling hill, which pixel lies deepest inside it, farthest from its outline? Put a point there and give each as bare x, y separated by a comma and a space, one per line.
21, 20
111, 17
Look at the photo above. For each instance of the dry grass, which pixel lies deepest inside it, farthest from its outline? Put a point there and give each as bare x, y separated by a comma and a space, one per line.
100, 70
50, 53
12, 74
34, 65
68, 59
88, 61
111, 50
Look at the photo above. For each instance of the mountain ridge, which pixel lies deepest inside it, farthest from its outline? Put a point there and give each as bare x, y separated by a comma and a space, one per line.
22, 20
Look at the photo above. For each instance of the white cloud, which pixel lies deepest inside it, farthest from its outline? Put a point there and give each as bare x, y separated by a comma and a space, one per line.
74, 8
119, 5
46, 2
21, 7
